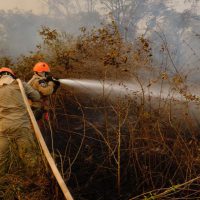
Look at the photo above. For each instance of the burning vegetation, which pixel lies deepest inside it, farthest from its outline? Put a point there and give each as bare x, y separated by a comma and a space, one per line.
127, 147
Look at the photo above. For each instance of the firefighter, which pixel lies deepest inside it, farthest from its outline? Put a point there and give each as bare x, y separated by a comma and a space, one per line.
15, 126
43, 82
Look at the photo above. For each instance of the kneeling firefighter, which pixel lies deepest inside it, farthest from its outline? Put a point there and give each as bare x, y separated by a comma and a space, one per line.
46, 85
15, 126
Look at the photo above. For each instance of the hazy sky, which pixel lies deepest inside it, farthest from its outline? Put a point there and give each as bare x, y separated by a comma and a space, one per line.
37, 6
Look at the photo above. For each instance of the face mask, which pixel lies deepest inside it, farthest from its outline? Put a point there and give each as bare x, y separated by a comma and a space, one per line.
6, 74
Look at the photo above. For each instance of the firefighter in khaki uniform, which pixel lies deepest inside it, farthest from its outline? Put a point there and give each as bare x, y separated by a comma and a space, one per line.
15, 125
45, 85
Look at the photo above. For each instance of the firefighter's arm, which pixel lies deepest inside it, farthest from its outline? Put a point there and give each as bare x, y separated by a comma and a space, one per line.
55, 81
44, 87
31, 93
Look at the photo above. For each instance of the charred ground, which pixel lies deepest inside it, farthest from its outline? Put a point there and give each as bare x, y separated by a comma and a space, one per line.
121, 148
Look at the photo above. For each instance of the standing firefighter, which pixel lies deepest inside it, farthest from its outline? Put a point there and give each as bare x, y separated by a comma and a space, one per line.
46, 85
15, 127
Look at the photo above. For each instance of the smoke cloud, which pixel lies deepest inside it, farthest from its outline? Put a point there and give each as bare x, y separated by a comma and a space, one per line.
173, 31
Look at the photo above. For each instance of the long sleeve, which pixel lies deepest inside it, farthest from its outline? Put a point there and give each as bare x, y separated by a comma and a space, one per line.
41, 85
31, 93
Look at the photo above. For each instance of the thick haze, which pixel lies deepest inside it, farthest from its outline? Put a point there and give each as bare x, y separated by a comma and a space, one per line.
171, 22
36, 6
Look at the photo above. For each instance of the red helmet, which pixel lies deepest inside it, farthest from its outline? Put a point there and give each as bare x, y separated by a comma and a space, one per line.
5, 69
41, 67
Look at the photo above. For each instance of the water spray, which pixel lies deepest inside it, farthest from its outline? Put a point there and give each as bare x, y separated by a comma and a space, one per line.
157, 92
119, 88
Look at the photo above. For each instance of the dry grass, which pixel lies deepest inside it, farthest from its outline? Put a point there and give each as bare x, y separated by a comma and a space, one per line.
126, 148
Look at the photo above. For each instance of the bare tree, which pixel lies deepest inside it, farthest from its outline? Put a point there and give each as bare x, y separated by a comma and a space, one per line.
63, 7
115, 7
91, 5
123, 12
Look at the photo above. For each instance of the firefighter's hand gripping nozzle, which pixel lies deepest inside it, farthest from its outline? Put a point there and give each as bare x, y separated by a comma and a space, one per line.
55, 80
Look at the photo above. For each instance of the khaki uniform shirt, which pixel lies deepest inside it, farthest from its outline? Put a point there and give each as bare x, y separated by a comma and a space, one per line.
13, 112
44, 88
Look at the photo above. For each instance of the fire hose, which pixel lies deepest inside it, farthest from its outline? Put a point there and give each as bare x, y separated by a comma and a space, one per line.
43, 145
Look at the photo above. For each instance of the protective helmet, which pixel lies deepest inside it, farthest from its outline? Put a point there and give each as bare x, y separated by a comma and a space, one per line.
41, 67
5, 69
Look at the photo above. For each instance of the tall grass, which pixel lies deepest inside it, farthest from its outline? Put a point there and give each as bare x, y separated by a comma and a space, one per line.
132, 147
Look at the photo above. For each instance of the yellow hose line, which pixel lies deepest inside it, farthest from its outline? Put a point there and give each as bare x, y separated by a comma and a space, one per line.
41, 141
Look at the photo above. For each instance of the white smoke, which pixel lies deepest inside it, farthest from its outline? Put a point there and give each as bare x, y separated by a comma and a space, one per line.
172, 28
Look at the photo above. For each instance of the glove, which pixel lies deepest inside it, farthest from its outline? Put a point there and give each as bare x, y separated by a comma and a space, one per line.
55, 80
57, 85
42, 82
49, 78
